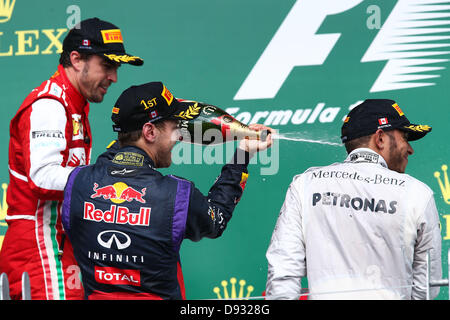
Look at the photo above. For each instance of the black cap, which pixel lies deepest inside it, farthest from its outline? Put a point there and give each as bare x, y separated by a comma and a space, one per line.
101, 38
144, 103
373, 114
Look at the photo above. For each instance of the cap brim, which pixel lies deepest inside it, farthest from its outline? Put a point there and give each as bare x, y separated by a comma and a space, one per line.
124, 58
187, 110
416, 131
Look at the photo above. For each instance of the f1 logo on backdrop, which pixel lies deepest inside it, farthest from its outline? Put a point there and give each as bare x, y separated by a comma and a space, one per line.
411, 32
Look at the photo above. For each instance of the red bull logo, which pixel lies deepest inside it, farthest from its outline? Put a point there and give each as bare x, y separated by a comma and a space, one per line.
118, 193
117, 214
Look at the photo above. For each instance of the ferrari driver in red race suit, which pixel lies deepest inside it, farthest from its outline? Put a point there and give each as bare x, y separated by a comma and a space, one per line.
50, 136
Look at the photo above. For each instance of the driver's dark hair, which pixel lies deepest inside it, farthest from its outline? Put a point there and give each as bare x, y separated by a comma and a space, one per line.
357, 143
64, 58
363, 142
130, 138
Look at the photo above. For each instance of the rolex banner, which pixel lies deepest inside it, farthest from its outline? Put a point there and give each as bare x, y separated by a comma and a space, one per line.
297, 66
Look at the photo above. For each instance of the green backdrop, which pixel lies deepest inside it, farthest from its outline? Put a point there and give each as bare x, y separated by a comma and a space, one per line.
295, 65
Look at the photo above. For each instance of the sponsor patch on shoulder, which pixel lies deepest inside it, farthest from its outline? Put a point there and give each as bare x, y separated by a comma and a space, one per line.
129, 158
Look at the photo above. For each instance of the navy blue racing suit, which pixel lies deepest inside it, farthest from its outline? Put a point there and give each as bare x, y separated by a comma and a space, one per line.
126, 222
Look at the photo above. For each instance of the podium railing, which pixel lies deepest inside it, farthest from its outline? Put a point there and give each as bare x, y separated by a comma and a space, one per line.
437, 282
26, 290
4, 287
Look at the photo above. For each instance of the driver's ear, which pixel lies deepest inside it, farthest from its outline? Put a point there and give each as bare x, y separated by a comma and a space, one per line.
149, 132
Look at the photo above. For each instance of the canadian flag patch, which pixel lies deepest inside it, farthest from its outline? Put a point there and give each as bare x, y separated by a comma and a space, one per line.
383, 121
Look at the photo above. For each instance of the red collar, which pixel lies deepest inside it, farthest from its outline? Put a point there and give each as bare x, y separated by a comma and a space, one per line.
77, 100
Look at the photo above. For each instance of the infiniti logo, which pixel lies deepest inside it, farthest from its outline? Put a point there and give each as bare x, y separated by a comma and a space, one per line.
107, 237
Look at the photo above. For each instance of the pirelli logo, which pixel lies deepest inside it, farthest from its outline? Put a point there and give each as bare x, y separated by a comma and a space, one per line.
396, 107
47, 134
167, 95
112, 36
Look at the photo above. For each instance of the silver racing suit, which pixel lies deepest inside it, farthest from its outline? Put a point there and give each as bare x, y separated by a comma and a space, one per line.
356, 230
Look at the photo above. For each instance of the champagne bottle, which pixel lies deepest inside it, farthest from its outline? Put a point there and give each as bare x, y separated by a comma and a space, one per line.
206, 124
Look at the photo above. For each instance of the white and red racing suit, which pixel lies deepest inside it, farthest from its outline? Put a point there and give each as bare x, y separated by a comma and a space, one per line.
49, 136
356, 230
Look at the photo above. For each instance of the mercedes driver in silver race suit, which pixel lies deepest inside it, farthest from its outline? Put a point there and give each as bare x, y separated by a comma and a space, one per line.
360, 229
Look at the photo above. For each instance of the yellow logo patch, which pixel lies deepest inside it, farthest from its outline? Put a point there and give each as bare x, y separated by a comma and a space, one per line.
396, 107
112, 36
244, 178
129, 159
167, 95
77, 126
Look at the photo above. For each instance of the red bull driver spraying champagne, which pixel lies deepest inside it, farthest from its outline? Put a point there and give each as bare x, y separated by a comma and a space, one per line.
126, 220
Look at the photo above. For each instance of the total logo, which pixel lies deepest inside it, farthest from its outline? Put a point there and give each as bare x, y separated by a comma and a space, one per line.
411, 42
115, 276
118, 192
